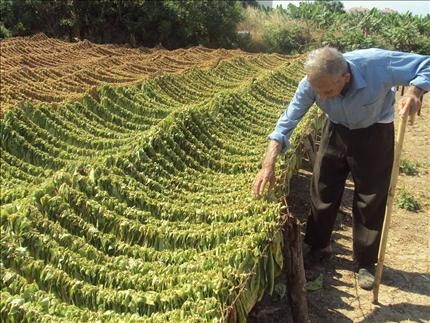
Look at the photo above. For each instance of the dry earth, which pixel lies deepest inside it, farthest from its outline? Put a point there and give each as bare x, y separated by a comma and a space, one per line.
404, 294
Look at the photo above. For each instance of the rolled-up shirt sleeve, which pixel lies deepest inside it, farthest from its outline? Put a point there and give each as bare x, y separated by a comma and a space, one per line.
299, 105
410, 69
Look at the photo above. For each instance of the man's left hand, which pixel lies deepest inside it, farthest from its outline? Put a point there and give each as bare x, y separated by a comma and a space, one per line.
410, 102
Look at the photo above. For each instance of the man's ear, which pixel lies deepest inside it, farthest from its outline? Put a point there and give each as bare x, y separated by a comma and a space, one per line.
347, 77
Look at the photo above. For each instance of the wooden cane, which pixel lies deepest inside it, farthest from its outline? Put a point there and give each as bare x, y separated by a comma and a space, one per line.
390, 199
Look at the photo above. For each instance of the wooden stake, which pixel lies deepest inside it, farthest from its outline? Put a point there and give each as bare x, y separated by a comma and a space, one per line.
296, 281
390, 199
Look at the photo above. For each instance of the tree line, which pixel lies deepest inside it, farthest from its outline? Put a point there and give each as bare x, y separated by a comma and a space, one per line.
214, 23
169, 23
319, 23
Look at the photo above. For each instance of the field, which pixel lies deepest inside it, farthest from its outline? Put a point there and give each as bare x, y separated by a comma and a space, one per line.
48, 70
125, 191
126, 177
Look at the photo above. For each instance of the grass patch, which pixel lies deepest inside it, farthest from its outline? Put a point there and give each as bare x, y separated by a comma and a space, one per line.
406, 201
408, 167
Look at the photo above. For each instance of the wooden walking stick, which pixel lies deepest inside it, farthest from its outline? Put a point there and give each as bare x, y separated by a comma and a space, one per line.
390, 199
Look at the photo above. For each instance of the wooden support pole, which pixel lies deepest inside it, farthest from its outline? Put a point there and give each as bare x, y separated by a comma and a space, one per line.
296, 281
390, 200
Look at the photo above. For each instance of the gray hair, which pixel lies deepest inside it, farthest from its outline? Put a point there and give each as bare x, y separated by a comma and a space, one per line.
326, 61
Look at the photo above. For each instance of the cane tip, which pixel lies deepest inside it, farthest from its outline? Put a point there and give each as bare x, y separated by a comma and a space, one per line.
375, 302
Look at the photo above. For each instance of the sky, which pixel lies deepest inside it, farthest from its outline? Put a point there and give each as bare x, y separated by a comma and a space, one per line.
416, 7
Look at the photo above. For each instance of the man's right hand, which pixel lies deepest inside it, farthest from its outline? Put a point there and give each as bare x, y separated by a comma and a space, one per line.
265, 177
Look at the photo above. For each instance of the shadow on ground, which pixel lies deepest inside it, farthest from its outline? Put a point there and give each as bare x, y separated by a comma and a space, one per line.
327, 304
273, 309
399, 312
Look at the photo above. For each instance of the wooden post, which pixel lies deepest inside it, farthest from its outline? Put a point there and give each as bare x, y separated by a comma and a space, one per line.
390, 199
296, 281
309, 147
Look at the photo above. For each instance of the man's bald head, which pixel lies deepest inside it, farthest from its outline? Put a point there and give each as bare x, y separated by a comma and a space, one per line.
325, 61
327, 72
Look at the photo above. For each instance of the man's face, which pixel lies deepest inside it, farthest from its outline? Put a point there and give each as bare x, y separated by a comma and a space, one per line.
328, 86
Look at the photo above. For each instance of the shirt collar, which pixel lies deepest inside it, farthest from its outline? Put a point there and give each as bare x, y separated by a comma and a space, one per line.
357, 79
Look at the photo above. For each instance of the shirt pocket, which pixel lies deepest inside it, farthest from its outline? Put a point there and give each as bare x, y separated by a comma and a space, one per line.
367, 114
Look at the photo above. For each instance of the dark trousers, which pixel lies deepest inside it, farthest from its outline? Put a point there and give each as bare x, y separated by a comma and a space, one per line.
368, 154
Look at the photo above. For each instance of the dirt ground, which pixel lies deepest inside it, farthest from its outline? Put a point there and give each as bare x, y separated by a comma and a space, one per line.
404, 294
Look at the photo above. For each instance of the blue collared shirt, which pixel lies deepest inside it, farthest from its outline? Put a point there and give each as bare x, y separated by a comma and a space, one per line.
370, 97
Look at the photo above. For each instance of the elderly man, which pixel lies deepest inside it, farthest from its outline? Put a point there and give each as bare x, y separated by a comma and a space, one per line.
355, 90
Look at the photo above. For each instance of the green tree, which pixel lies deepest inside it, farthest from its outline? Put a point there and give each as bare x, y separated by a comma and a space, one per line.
170, 23
249, 3
207, 22
26, 17
332, 6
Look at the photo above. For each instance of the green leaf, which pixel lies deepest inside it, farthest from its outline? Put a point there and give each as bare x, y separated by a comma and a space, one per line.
280, 290
315, 284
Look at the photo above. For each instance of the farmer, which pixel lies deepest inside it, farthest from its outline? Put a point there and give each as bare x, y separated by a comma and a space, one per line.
355, 90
